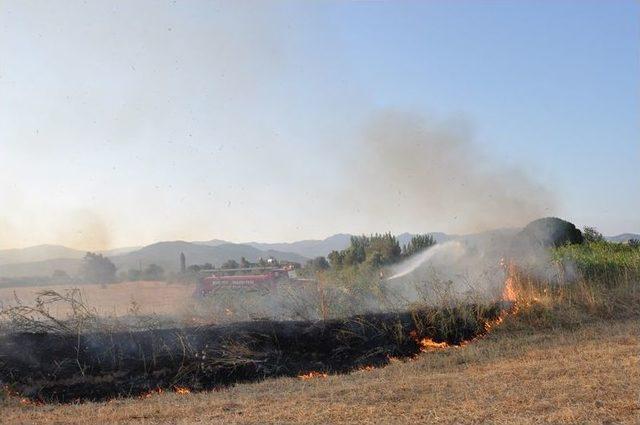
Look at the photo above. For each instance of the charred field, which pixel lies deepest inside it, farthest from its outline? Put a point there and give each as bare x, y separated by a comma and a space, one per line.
96, 366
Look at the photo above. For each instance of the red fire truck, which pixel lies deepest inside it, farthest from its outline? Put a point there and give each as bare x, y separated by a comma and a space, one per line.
245, 279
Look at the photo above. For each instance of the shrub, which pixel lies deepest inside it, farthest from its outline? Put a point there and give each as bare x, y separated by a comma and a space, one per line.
591, 234
97, 269
603, 262
549, 232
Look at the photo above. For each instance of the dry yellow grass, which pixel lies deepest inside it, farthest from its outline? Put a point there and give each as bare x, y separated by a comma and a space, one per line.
587, 375
114, 299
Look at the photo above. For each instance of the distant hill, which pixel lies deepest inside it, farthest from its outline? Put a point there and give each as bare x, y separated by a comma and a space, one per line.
624, 237
309, 248
41, 268
43, 253
212, 242
38, 253
167, 255
119, 251
164, 254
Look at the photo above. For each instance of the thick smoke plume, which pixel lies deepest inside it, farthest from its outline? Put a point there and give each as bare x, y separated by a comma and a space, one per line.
413, 173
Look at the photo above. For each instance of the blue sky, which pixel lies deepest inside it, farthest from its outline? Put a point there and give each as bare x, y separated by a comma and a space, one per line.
129, 122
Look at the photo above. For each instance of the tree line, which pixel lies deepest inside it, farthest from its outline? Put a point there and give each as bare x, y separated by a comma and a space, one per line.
376, 250
97, 268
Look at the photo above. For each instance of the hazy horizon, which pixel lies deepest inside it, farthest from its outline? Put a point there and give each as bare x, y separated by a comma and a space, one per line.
116, 248
124, 124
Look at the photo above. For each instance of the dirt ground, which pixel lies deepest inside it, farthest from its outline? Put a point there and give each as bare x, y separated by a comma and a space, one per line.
586, 375
116, 299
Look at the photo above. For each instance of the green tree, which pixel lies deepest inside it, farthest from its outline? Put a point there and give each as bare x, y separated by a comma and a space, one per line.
375, 259
336, 259
591, 234
230, 264
358, 249
153, 272
386, 246
183, 263
350, 257
97, 269
418, 243
378, 249
318, 263
634, 243
134, 275
547, 232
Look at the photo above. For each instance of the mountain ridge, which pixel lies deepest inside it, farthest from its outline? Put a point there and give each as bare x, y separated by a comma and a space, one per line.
623, 237
165, 254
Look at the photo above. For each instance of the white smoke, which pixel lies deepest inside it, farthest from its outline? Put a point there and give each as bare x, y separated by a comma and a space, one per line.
451, 250
472, 266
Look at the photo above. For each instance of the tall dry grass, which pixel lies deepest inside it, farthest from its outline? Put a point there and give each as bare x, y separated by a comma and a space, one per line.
595, 281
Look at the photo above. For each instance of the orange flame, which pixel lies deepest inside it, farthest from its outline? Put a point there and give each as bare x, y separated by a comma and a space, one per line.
181, 390
312, 375
509, 294
427, 344
28, 402
509, 291
16, 395
493, 323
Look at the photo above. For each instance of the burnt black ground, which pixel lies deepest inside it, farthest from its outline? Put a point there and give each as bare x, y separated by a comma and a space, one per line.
100, 365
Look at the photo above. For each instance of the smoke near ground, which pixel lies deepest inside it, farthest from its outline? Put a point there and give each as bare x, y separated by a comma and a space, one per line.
468, 268
480, 265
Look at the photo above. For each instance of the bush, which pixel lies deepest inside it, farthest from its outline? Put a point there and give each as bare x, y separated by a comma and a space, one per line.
602, 261
591, 234
549, 232
151, 272
97, 269
318, 263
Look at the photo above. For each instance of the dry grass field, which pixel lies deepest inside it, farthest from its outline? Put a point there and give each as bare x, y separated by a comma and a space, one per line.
589, 374
115, 299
